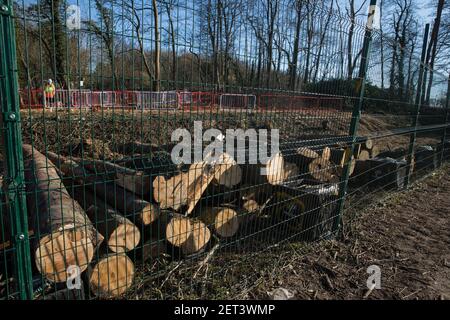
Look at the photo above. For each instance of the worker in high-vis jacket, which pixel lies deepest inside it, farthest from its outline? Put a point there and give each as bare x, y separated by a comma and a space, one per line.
49, 93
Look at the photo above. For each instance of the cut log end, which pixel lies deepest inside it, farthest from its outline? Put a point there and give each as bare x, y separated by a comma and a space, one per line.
251, 205
368, 144
124, 238
149, 213
178, 230
112, 275
364, 155
231, 176
198, 239
326, 153
274, 169
60, 250
226, 222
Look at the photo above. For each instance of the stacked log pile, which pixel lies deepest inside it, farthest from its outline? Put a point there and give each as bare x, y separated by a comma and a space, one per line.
93, 213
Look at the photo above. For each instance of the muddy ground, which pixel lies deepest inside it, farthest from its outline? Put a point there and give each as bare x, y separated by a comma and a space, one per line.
405, 233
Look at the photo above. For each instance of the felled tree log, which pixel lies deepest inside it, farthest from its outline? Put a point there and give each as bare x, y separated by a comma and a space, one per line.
132, 180
153, 249
197, 240
338, 157
426, 158
120, 233
340, 168
259, 193
357, 150
129, 204
187, 188
251, 206
375, 151
367, 143
111, 276
153, 164
178, 230
67, 234
230, 174
321, 170
224, 221
290, 171
386, 173
326, 153
271, 172
313, 166
310, 211
398, 153
362, 174
364, 155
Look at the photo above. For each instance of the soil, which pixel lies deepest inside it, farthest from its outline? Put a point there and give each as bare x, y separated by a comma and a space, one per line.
407, 236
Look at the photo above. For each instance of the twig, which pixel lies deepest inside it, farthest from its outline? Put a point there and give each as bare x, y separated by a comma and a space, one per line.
207, 258
170, 273
415, 292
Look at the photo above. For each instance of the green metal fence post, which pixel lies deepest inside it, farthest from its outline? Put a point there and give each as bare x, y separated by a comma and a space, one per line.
12, 145
444, 135
356, 114
412, 139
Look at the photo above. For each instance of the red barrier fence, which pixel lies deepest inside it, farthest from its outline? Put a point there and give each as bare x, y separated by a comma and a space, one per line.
172, 100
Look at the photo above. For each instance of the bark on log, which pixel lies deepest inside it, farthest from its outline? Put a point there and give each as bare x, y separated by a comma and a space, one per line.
67, 235
340, 169
132, 180
338, 157
153, 249
111, 276
291, 171
129, 204
121, 234
312, 165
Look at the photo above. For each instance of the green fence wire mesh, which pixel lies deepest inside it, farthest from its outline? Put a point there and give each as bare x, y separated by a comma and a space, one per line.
147, 145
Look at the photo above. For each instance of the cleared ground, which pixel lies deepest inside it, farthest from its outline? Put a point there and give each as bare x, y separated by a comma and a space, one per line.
406, 235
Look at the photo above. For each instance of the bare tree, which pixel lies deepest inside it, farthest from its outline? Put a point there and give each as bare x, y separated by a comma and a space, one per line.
432, 48
352, 14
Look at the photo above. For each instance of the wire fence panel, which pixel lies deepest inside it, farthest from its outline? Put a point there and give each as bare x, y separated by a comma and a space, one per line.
182, 136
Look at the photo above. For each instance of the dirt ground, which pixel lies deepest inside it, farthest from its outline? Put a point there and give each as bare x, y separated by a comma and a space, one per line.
406, 235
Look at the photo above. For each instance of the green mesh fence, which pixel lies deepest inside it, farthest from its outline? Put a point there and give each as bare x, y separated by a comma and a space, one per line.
147, 145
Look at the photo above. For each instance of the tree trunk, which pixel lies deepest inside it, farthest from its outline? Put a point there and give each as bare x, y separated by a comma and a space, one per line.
67, 236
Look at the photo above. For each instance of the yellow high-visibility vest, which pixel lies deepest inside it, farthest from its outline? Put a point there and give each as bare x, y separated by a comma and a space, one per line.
49, 90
